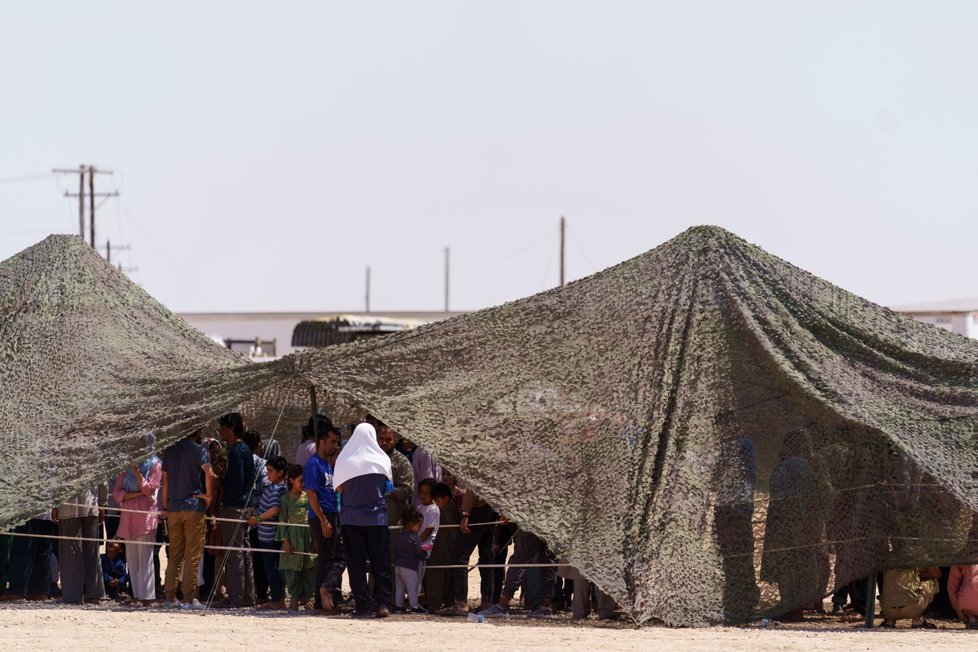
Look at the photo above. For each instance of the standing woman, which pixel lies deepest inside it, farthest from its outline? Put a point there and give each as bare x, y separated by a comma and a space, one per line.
362, 474
137, 490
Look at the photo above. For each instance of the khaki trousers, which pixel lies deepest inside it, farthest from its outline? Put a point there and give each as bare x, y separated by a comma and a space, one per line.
186, 529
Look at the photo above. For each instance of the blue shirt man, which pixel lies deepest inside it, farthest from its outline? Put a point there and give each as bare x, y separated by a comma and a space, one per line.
317, 475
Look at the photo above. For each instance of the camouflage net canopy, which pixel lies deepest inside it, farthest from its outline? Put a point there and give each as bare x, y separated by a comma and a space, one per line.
707, 432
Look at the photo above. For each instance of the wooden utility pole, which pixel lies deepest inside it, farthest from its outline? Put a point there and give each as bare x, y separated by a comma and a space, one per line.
91, 205
91, 194
563, 230
81, 201
109, 248
447, 272
367, 294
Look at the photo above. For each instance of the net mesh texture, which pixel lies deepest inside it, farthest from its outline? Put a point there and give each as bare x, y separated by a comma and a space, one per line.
707, 432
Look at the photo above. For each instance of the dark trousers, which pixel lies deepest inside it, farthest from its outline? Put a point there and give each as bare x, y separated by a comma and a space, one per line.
5, 545
81, 568
480, 535
330, 561
269, 564
238, 573
161, 537
258, 568
527, 549
30, 559
363, 544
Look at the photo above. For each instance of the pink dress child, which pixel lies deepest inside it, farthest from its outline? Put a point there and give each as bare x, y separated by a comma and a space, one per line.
137, 490
962, 588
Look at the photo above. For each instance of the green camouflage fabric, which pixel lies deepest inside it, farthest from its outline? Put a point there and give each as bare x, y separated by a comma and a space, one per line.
707, 432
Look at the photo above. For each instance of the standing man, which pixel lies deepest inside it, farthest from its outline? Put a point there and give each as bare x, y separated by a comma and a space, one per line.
238, 487
527, 548
185, 496
78, 557
403, 474
317, 478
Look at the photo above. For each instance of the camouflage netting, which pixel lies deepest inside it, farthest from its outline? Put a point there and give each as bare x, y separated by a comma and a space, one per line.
707, 432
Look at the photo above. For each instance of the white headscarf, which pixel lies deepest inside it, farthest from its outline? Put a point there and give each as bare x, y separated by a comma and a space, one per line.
362, 455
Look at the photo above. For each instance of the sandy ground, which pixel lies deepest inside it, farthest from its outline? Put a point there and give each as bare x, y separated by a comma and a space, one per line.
27, 626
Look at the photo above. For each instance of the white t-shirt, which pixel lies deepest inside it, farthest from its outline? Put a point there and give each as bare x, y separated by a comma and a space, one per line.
432, 516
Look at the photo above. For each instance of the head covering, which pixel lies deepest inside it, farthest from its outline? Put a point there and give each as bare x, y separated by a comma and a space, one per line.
361, 456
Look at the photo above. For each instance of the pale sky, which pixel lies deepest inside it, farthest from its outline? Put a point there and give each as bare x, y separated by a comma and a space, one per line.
267, 152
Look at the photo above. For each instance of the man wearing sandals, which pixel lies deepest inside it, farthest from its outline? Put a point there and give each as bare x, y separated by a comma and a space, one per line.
906, 593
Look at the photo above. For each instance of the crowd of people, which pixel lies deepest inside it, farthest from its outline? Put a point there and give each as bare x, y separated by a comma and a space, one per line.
245, 527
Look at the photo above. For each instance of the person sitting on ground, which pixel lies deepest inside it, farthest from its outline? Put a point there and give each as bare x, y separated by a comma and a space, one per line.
114, 571
408, 555
296, 538
526, 547
962, 588
907, 592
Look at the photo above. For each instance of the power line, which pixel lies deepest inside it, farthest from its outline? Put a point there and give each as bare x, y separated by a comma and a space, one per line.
91, 170
580, 247
25, 177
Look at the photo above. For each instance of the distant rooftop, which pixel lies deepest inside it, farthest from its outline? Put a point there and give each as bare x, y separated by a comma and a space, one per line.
969, 304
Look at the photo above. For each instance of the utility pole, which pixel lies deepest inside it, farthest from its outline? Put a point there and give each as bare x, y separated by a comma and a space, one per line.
446, 278
92, 171
367, 294
563, 230
91, 205
108, 251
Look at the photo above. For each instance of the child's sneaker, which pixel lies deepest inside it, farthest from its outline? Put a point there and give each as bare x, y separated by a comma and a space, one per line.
495, 611
418, 610
171, 604
196, 605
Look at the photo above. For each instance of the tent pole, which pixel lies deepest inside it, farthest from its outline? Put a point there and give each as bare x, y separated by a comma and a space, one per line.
315, 412
870, 600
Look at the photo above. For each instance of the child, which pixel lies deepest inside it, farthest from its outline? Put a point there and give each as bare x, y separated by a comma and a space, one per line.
268, 509
300, 569
962, 588
114, 571
408, 554
438, 581
429, 512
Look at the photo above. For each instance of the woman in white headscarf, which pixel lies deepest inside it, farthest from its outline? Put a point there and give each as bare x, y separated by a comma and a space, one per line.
362, 474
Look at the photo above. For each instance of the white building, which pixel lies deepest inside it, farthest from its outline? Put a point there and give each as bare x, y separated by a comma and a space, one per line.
272, 331
956, 315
